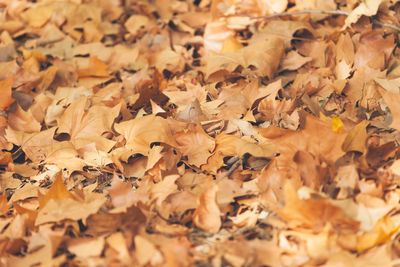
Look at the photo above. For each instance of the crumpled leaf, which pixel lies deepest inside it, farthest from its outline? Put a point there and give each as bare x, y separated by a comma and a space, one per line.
207, 214
313, 214
230, 145
365, 8
382, 231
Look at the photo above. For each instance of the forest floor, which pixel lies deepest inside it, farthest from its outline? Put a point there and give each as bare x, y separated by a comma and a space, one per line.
199, 133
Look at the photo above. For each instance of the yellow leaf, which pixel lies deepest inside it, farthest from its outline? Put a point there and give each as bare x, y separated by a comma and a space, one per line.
230, 44
96, 68
382, 231
337, 124
37, 17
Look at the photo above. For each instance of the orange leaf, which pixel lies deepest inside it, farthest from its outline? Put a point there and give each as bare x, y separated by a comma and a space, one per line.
96, 68
5, 91
32, 214
3, 204
3, 121
230, 44
56, 191
5, 157
382, 231
313, 214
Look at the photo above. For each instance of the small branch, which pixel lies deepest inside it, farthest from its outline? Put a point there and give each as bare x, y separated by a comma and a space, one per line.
391, 26
305, 11
233, 167
326, 12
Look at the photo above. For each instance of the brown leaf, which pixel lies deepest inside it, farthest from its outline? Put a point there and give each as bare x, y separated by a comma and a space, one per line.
264, 56
356, 138
392, 100
196, 145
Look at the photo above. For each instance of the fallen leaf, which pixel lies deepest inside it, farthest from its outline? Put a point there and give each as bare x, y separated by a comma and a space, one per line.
365, 8
356, 138
56, 191
140, 133
314, 214
96, 68
207, 214
196, 145
5, 91
382, 231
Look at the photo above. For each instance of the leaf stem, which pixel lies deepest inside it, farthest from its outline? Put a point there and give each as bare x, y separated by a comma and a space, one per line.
305, 11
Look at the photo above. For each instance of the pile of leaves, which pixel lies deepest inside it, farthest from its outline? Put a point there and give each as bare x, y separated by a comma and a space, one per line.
199, 133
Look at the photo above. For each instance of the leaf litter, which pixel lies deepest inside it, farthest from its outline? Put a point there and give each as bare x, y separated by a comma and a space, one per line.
199, 133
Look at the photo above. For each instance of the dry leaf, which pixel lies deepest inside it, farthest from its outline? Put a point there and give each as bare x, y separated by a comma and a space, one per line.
356, 138
207, 214
5, 91
314, 214
140, 133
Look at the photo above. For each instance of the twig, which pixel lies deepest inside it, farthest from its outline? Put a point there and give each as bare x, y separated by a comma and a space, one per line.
305, 11
233, 167
391, 26
327, 12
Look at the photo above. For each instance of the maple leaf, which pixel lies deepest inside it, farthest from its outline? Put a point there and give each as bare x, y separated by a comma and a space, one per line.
356, 138
81, 124
264, 55
56, 191
196, 144
38, 16
140, 133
